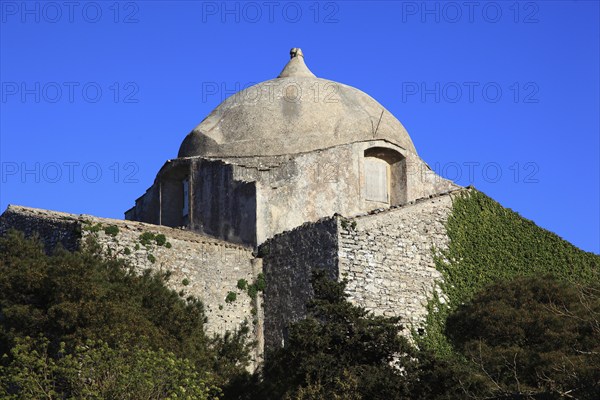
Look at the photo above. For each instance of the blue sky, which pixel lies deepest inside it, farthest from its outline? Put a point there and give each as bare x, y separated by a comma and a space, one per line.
96, 95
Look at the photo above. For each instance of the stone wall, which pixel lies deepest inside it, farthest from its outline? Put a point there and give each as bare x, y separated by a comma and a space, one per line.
289, 259
388, 260
221, 205
201, 266
218, 204
53, 228
386, 255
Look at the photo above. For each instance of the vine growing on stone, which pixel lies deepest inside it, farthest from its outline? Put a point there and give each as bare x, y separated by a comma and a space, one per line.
489, 243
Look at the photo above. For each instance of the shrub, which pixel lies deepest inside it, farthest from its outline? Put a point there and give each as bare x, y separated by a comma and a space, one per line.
340, 351
490, 243
95, 370
72, 297
231, 297
160, 239
112, 230
146, 238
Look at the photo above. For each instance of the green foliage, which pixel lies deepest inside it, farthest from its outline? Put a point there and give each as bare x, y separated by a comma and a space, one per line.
347, 224
160, 239
258, 285
76, 297
339, 351
264, 250
345, 387
151, 258
185, 282
344, 223
112, 230
127, 251
252, 291
231, 297
93, 228
530, 338
260, 282
95, 370
242, 284
146, 238
489, 243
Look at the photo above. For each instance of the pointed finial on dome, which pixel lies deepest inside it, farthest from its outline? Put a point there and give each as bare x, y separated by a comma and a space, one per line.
296, 66
296, 52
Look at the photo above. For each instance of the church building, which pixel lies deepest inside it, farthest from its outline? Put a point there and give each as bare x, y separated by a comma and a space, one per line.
283, 152
287, 176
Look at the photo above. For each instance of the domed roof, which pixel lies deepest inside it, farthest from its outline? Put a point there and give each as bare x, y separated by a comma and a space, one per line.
293, 113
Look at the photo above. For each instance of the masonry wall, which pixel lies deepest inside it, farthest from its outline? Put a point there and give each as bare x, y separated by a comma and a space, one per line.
388, 259
201, 266
222, 206
54, 228
386, 255
146, 207
289, 260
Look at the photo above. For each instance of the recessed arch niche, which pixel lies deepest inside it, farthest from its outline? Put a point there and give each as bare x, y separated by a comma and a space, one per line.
384, 176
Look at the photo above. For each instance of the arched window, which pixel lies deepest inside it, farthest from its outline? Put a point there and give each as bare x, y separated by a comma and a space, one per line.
384, 176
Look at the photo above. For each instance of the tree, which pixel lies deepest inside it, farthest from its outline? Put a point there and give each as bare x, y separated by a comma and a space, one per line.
96, 371
340, 351
530, 338
72, 298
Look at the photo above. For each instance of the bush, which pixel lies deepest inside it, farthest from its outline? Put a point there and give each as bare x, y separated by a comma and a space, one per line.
533, 335
260, 282
490, 243
75, 297
95, 370
112, 230
242, 284
340, 351
231, 297
258, 285
146, 238
160, 239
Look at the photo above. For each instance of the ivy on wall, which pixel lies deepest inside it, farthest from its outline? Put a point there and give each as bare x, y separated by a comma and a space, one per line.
488, 243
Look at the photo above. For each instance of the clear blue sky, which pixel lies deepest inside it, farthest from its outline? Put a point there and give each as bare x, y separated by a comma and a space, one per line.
501, 95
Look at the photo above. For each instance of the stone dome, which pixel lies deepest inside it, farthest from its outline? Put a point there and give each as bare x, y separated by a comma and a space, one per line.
293, 113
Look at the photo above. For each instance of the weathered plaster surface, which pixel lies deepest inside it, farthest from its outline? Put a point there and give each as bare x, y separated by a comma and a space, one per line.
248, 199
